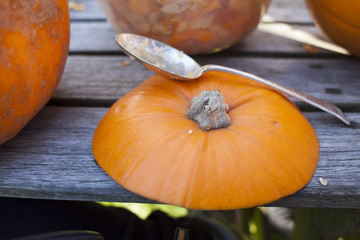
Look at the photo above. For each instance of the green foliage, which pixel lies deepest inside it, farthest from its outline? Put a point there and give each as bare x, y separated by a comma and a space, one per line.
143, 210
326, 224
254, 224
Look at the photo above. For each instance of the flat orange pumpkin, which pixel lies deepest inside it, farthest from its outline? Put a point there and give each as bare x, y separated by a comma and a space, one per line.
147, 143
339, 21
34, 43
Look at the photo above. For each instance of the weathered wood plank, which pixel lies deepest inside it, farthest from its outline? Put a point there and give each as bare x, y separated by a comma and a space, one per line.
92, 11
288, 11
52, 158
269, 38
104, 79
292, 11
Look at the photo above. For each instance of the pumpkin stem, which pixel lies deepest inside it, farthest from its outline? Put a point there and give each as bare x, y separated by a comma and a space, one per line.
209, 110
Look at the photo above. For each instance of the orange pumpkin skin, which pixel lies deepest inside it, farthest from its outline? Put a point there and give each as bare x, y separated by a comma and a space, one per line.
34, 43
147, 144
339, 20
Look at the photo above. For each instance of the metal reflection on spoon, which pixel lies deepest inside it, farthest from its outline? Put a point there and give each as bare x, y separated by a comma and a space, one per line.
173, 63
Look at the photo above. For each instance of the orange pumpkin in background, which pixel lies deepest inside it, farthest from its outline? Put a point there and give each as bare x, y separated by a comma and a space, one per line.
34, 43
235, 146
339, 21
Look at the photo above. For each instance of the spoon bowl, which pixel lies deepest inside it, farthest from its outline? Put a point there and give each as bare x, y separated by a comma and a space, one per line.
159, 57
173, 63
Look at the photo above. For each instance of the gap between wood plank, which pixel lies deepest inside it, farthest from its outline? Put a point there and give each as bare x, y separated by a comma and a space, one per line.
74, 102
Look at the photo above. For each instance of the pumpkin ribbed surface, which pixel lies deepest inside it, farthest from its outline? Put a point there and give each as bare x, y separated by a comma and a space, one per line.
339, 20
147, 144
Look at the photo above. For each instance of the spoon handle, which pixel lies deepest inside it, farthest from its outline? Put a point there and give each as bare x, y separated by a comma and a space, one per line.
321, 104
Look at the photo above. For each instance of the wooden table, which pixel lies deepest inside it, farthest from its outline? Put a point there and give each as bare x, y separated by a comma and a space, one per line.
52, 157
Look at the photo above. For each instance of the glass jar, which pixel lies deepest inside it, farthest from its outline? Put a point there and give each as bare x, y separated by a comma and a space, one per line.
193, 26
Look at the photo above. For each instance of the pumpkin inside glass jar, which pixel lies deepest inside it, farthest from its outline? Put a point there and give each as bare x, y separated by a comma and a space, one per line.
193, 26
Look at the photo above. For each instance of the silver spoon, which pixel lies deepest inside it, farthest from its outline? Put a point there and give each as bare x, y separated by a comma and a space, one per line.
170, 62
